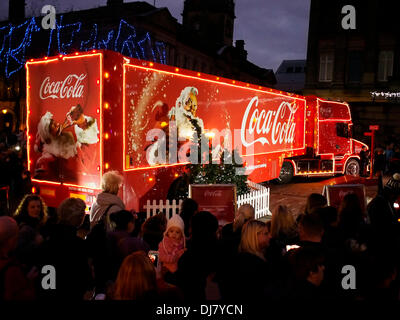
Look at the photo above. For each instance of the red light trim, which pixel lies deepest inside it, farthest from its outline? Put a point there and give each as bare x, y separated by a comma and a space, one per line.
213, 81
47, 182
123, 118
106, 75
334, 120
101, 118
360, 142
278, 151
159, 166
321, 172
27, 115
77, 186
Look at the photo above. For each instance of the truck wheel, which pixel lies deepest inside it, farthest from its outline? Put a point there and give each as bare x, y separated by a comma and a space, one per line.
352, 168
286, 173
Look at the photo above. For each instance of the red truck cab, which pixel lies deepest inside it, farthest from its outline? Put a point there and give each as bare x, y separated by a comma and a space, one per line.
330, 148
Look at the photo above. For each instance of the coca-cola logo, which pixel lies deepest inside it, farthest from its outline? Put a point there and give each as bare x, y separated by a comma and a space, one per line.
70, 87
215, 194
270, 127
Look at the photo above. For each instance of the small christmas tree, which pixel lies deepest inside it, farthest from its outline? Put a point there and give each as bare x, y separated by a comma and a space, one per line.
229, 170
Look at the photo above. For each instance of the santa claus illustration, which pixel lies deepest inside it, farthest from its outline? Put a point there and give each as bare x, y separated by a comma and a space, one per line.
184, 113
189, 126
54, 141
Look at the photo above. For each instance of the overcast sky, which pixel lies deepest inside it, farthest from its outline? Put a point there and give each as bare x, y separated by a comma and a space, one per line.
273, 30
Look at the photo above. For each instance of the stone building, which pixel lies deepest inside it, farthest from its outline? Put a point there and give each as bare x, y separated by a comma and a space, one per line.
291, 76
361, 65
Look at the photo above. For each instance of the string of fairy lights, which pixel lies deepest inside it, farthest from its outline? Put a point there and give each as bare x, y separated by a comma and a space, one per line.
17, 40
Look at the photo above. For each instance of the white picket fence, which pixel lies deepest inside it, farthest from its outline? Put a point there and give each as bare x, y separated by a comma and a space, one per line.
258, 198
169, 208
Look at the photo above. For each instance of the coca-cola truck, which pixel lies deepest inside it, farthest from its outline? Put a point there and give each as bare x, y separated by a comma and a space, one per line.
91, 112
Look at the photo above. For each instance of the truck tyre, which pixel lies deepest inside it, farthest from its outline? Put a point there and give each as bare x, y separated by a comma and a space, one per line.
286, 174
352, 168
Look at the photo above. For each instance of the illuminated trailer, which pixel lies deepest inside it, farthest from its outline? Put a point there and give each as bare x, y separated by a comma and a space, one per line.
91, 112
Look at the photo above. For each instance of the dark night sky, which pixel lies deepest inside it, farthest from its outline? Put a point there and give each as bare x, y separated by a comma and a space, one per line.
273, 30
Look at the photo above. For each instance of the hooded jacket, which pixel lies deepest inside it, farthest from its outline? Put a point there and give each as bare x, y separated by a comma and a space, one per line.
171, 250
103, 201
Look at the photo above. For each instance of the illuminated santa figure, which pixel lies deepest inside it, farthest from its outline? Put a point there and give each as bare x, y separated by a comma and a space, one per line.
184, 113
85, 127
52, 143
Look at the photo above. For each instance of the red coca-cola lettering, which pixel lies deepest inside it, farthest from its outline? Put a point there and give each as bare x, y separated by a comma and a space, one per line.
70, 87
271, 127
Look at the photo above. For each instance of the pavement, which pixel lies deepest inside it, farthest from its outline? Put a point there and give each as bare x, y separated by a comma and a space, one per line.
294, 195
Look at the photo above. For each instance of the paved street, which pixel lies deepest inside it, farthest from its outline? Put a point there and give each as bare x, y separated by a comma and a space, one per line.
294, 195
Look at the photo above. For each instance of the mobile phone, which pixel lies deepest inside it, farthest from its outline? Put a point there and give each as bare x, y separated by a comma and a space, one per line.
292, 246
153, 255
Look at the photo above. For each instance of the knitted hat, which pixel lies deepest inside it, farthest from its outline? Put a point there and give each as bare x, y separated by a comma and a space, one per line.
176, 221
394, 183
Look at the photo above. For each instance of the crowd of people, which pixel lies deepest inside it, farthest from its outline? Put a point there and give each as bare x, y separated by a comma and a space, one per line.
115, 254
386, 159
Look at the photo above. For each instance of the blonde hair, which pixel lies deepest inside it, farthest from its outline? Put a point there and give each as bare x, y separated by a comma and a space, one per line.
136, 277
249, 239
282, 221
111, 182
245, 213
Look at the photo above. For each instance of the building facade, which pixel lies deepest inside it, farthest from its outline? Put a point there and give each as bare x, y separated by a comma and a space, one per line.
360, 65
291, 76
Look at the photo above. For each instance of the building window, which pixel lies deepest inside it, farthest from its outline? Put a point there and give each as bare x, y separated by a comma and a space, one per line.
385, 67
289, 70
297, 70
326, 67
355, 66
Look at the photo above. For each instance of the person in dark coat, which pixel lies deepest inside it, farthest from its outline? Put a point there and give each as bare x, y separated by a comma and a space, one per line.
67, 253
120, 242
230, 240
31, 216
363, 161
15, 284
200, 262
188, 208
307, 273
252, 271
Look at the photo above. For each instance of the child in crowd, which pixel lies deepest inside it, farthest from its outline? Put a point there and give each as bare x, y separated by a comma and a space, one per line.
172, 246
